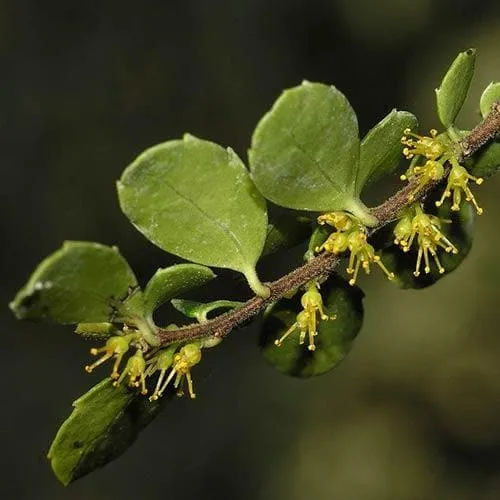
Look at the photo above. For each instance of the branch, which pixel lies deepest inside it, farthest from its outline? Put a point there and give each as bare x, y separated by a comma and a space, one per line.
325, 263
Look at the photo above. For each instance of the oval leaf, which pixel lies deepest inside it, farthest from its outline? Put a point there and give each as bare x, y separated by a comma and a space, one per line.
381, 149
450, 96
81, 282
305, 150
104, 423
285, 230
487, 161
172, 282
199, 310
196, 200
459, 232
334, 339
490, 95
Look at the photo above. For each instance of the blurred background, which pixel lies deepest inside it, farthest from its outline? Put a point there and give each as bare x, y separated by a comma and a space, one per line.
412, 413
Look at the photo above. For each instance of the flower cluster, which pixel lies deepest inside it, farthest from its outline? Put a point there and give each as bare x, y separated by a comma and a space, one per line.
307, 320
180, 365
436, 153
425, 229
137, 369
458, 180
351, 235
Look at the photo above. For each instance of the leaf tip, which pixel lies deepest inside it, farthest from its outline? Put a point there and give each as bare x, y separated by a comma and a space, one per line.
62, 475
187, 137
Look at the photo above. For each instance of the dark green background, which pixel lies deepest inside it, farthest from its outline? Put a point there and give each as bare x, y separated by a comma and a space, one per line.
413, 413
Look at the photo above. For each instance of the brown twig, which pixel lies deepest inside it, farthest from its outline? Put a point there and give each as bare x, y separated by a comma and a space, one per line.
325, 263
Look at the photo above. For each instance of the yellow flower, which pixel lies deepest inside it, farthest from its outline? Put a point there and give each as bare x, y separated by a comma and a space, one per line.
362, 255
307, 320
430, 147
337, 242
115, 347
427, 231
431, 171
134, 368
187, 357
339, 220
436, 154
458, 180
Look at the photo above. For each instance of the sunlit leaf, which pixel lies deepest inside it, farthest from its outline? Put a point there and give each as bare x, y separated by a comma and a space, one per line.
381, 148
490, 95
196, 200
172, 282
305, 150
453, 90
199, 310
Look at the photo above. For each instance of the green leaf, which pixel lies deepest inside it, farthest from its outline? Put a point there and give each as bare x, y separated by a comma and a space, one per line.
196, 200
104, 423
174, 281
318, 237
459, 232
451, 94
486, 161
285, 230
334, 339
381, 149
81, 282
305, 151
199, 310
490, 95
97, 330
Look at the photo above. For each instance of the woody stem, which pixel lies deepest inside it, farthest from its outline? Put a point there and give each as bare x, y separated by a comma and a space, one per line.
324, 264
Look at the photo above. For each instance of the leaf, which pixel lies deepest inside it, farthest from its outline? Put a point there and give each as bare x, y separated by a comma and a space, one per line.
318, 237
305, 150
451, 94
490, 95
174, 281
97, 330
80, 282
486, 161
459, 232
196, 200
285, 230
199, 310
334, 339
104, 423
381, 149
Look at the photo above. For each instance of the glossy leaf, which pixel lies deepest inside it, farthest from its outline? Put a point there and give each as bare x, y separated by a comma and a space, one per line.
334, 339
318, 237
459, 232
381, 149
285, 230
490, 95
81, 282
487, 161
199, 310
97, 330
453, 90
104, 423
196, 200
174, 281
305, 150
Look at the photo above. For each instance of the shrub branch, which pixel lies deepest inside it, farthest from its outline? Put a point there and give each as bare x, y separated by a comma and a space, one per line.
325, 263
